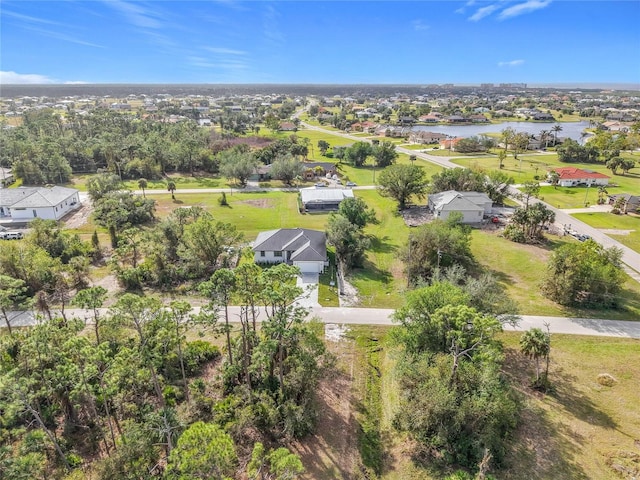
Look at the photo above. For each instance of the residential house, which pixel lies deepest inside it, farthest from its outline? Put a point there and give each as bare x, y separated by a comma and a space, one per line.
472, 205
312, 170
478, 118
450, 144
288, 127
27, 203
323, 198
431, 118
631, 203
421, 136
301, 247
572, 177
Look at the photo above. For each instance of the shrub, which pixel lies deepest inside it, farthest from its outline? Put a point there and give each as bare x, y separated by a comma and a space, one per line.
197, 353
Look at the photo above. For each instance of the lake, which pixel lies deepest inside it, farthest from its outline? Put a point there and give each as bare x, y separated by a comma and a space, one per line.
571, 130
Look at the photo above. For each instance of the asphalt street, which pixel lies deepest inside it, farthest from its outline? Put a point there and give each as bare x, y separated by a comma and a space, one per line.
379, 316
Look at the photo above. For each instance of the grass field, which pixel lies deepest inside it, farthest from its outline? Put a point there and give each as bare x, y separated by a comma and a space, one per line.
574, 432
520, 268
615, 222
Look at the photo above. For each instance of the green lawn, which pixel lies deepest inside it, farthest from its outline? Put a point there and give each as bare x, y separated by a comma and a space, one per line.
520, 268
615, 222
251, 213
382, 283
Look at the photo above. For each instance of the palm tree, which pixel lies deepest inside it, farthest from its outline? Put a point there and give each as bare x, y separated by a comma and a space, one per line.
536, 344
171, 186
544, 137
555, 129
142, 183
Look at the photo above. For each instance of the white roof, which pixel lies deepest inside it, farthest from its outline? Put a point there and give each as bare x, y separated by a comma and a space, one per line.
313, 194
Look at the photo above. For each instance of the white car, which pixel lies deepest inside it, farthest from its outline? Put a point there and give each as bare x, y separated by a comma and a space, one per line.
11, 235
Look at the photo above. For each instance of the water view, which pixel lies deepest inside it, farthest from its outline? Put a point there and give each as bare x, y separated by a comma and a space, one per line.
571, 130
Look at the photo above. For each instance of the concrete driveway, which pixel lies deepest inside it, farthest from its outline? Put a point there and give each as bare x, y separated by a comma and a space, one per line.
309, 283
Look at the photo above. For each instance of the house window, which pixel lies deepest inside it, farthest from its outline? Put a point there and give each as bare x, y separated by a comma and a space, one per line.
277, 254
262, 253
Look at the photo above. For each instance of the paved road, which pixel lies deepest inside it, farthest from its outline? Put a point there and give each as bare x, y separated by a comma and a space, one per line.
377, 316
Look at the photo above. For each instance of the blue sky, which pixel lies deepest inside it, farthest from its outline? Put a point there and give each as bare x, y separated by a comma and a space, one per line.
226, 41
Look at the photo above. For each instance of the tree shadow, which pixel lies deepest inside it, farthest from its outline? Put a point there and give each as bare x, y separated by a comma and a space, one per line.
381, 245
178, 201
575, 403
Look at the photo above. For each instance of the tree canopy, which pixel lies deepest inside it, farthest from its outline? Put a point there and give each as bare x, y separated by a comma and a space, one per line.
403, 182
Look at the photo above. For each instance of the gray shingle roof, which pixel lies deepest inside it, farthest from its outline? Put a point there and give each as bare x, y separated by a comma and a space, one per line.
306, 245
33, 197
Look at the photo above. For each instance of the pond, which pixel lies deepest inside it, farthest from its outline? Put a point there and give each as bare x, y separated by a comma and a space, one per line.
571, 130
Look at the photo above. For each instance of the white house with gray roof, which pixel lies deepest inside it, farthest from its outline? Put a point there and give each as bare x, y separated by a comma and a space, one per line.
304, 248
472, 205
26, 203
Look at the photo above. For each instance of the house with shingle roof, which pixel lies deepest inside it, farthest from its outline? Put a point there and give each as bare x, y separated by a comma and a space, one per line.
301, 247
27, 203
472, 205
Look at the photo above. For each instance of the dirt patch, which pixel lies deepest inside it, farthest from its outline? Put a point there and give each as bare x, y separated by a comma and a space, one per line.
78, 217
349, 295
415, 216
259, 203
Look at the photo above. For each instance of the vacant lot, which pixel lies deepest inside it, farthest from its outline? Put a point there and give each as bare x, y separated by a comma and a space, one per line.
581, 430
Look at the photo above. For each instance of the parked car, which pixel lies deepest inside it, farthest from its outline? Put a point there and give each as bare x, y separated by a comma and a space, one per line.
321, 184
11, 235
351, 184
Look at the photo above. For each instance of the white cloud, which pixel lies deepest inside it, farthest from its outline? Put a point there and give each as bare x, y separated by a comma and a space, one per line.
9, 77
271, 29
225, 51
512, 63
29, 19
136, 14
419, 26
522, 8
483, 12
